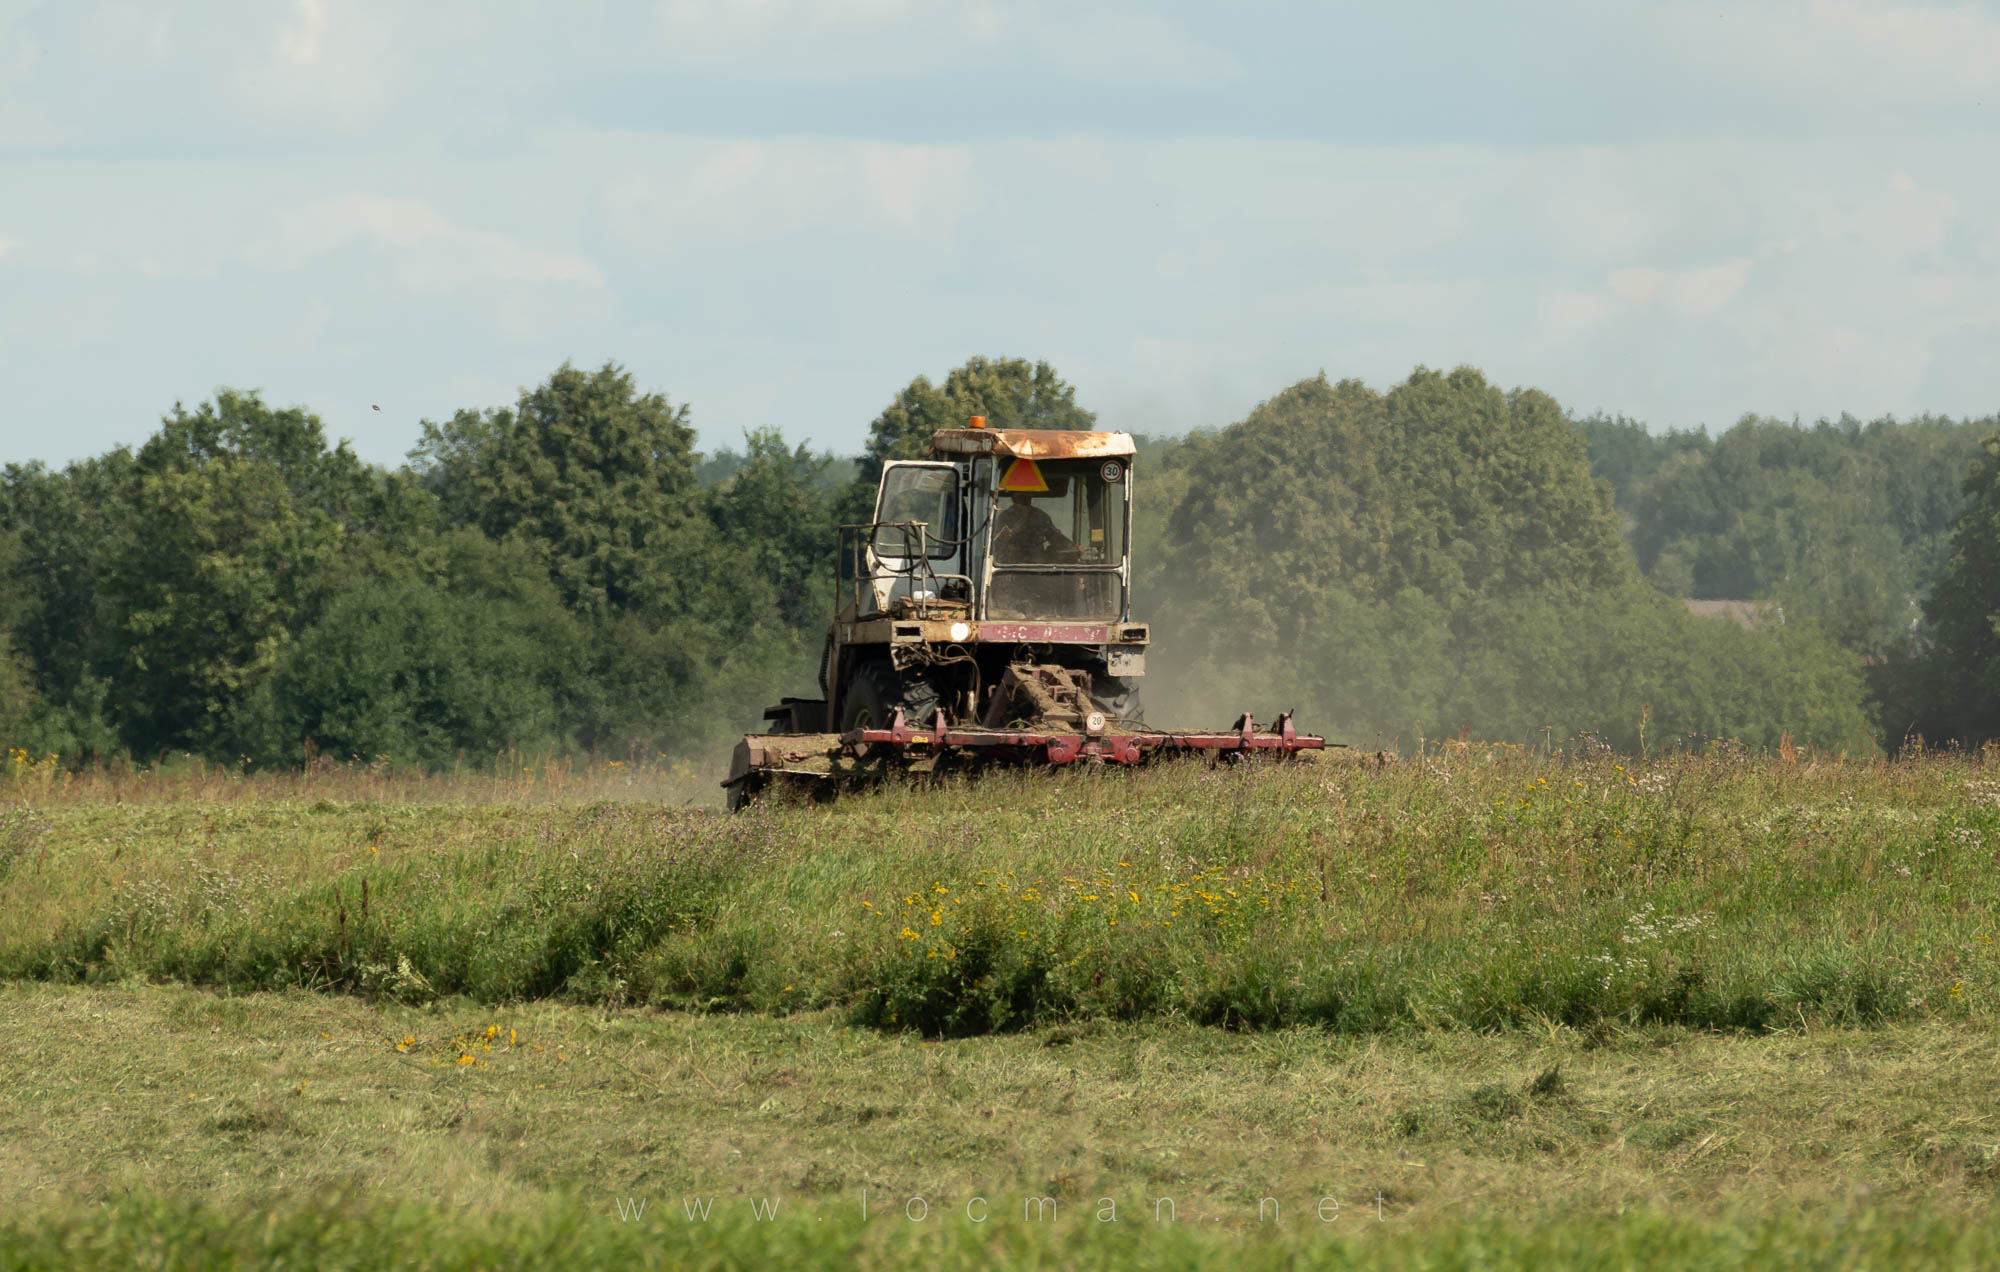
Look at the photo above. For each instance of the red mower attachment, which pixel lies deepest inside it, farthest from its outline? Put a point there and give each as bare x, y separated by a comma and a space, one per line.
1098, 741
822, 764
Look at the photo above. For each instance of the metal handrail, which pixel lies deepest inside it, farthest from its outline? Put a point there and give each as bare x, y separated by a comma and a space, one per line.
919, 570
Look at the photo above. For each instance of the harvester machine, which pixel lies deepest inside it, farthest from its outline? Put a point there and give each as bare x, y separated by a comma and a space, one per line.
984, 617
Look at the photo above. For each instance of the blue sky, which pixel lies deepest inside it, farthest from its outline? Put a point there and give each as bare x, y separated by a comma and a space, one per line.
779, 211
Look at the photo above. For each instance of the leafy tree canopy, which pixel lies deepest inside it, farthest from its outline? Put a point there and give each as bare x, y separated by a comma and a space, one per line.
166, 584
1625, 453
775, 509
19, 703
594, 475
221, 567
1444, 485
238, 425
479, 658
1841, 522
1964, 606
1439, 556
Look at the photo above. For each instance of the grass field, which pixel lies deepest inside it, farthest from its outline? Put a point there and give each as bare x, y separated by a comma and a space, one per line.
1502, 1008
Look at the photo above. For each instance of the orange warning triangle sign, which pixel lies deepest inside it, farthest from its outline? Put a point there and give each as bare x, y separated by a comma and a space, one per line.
1024, 474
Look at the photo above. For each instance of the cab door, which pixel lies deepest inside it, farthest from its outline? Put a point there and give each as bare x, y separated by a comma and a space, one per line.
916, 536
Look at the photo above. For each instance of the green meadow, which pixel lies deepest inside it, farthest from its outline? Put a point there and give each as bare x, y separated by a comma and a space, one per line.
1484, 1007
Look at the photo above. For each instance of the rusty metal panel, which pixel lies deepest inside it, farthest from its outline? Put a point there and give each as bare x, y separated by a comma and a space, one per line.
1031, 443
882, 631
1051, 633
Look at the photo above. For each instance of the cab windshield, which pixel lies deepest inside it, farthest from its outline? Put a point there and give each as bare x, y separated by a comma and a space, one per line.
1059, 539
1060, 512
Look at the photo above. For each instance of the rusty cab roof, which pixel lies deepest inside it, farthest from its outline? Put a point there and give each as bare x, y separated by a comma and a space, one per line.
1030, 443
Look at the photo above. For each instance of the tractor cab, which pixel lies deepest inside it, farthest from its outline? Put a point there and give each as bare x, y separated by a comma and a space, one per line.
1003, 524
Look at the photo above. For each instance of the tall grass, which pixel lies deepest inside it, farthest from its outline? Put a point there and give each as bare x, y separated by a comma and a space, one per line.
508, 777
1473, 889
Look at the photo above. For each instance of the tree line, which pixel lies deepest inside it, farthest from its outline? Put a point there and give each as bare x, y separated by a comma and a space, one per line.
568, 573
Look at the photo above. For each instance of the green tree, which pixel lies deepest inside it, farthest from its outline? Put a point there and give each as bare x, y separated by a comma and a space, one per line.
69, 526
1628, 455
1445, 485
290, 441
776, 510
480, 658
1439, 557
20, 705
239, 521
221, 568
1009, 392
677, 588
1964, 605
596, 477
1841, 523
160, 587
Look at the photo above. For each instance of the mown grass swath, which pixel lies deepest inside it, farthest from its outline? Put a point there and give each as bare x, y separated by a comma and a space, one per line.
182, 1233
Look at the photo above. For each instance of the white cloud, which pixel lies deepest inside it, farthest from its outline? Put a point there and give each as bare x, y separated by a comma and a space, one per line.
704, 195
919, 188
130, 35
305, 42
25, 126
1919, 218
116, 72
334, 70
1120, 45
431, 251
1854, 51
723, 30
838, 41
1689, 293
19, 55
1692, 293
1943, 49
1860, 299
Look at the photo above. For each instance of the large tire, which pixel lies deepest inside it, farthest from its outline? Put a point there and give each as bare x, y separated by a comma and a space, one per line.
877, 690
1118, 697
